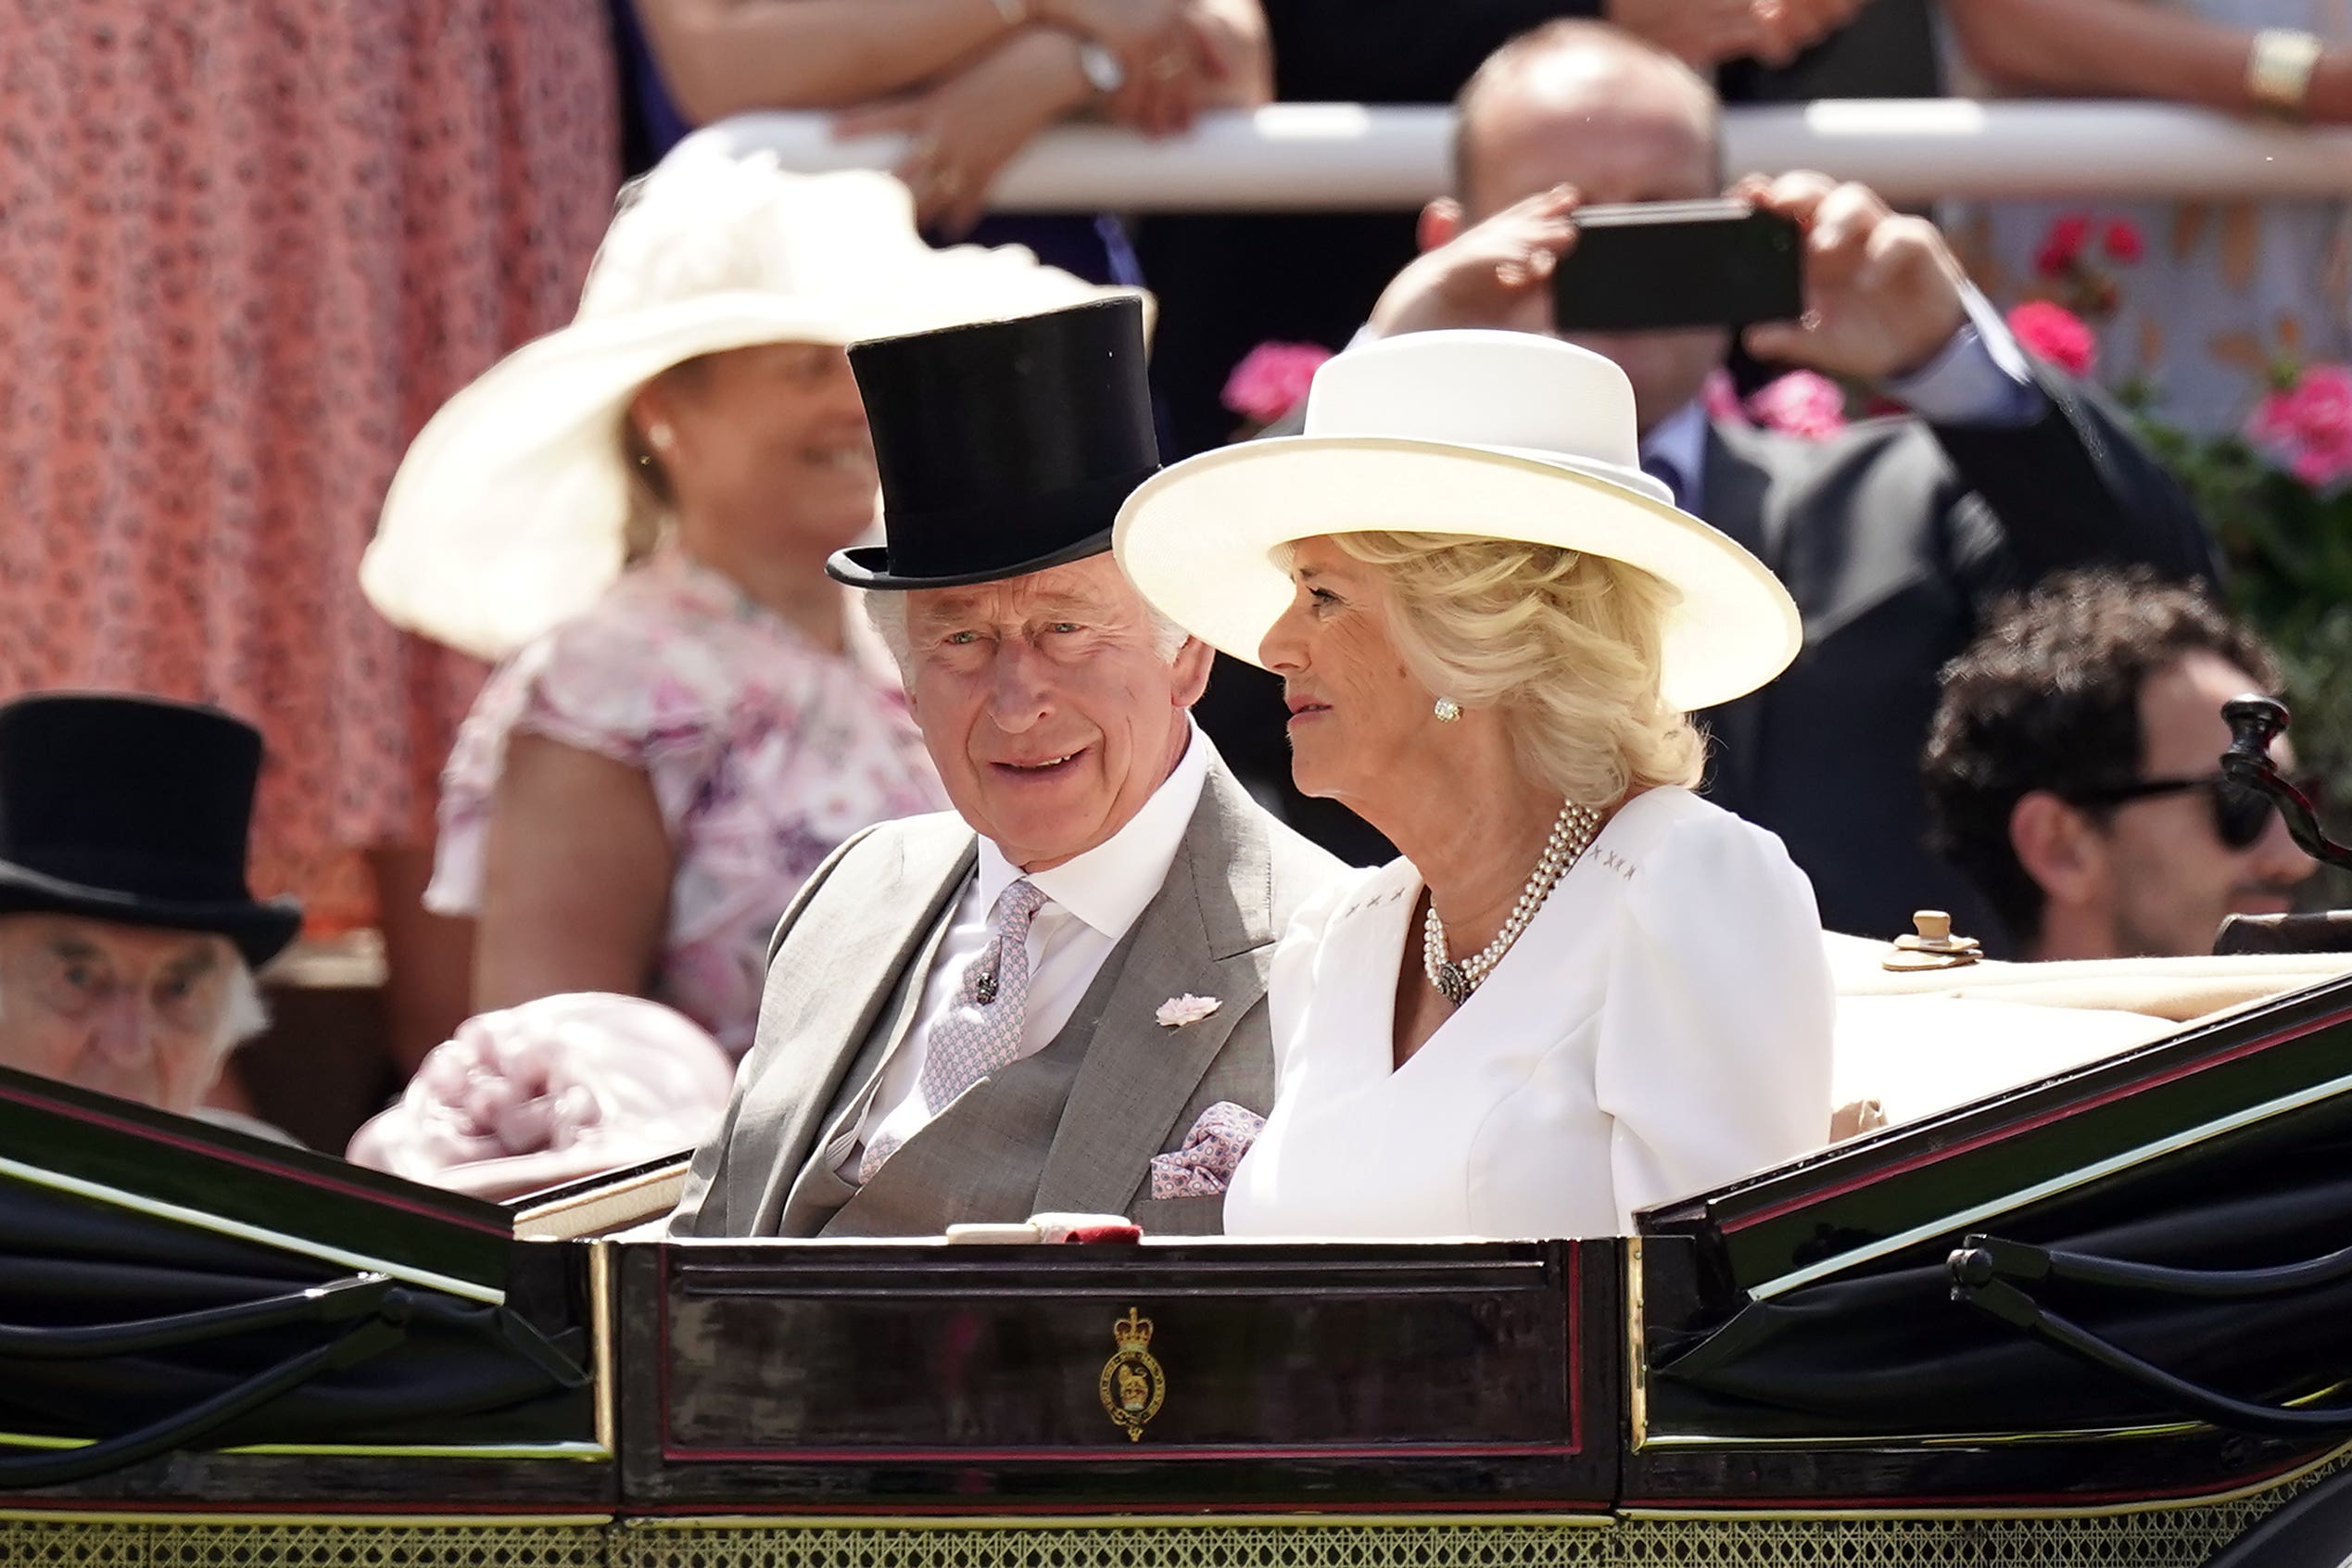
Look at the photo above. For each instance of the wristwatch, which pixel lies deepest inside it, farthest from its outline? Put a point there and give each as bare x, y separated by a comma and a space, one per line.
2278, 70
1104, 73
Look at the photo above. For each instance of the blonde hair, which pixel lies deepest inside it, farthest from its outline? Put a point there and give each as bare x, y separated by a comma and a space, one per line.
1566, 645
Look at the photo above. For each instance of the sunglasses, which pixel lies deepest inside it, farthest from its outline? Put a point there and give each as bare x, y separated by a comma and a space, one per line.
2240, 812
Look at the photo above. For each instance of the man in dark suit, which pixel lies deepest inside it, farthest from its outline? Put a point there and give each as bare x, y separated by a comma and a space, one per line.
1893, 535
1228, 282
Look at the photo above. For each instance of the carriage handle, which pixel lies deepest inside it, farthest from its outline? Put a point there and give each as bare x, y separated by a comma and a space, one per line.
335, 1302
1984, 1258
2253, 723
386, 1327
1978, 1265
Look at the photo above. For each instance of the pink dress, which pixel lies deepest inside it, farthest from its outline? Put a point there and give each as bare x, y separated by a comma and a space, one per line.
764, 753
246, 246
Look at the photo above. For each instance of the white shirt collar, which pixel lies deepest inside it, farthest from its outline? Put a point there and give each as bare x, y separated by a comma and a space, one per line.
1681, 439
1109, 886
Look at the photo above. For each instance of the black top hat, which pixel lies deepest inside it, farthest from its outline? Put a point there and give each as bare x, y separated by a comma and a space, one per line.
1005, 447
136, 811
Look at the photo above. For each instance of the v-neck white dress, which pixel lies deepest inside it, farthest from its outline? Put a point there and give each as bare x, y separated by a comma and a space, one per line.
1661, 1028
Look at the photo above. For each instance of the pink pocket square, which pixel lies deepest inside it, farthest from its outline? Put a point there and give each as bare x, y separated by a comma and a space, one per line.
1215, 1145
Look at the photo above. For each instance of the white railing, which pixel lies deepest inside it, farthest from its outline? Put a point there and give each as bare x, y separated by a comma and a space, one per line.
1306, 156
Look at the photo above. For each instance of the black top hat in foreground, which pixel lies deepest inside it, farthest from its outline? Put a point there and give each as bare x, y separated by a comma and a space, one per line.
1005, 447
136, 811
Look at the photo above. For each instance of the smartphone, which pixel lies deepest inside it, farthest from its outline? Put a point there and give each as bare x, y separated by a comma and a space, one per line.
1656, 265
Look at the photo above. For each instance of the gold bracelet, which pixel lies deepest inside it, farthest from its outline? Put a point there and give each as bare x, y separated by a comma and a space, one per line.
1014, 12
2278, 70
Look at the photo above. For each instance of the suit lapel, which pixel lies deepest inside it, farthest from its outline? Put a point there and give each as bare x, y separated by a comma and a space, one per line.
1208, 932
837, 991
817, 1191
1734, 493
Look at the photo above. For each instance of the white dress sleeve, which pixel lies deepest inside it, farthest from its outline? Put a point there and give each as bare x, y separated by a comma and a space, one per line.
1714, 1049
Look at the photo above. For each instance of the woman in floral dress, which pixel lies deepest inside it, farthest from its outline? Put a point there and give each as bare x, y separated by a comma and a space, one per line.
668, 751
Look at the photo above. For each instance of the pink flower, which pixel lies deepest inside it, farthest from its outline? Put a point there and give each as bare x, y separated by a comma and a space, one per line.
2307, 427
2322, 404
2055, 334
2062, 244
2122, 240
2271, 425
1272, 379
1801, 403
1720, 397
2323, 465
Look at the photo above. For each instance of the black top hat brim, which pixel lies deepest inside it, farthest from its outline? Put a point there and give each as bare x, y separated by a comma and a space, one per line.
868, 566
260, 930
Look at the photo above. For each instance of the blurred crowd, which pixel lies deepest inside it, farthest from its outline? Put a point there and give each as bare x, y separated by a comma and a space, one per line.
440, 501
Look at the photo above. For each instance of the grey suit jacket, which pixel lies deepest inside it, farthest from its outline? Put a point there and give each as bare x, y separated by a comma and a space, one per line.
1072, 1128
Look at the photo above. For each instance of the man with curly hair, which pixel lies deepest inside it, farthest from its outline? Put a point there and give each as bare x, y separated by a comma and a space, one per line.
2073, 771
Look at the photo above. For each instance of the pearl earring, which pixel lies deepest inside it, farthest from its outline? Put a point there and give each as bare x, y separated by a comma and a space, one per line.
661, 435
1446, 709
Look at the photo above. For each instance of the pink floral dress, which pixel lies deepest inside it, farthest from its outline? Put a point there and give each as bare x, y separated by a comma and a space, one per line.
764, 753
246, 246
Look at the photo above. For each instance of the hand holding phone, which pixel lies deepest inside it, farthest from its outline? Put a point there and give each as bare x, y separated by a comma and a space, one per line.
1883, 293
1661, 266
1491, 274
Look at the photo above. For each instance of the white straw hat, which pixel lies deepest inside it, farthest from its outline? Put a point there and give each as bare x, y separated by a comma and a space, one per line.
507, 516
1484, 434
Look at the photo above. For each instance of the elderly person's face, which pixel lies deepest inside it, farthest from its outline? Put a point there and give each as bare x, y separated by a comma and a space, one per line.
1048, 710
121, 1010
766, 440
1354, 707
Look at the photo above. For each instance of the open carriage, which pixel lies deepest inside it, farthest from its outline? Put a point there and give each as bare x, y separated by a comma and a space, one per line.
2097, 1317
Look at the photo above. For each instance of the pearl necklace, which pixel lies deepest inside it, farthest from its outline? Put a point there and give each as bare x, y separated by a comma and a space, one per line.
1571, 834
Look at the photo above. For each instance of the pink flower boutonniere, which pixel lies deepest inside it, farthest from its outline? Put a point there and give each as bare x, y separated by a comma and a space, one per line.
1720, 397
1178, 1011
1801, 403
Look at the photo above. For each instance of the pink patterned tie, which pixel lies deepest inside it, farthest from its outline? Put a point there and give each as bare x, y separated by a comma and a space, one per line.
981, 1031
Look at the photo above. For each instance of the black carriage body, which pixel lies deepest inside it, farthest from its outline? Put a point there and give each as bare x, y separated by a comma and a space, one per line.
1801, 1343
927, 1379
1788, 1349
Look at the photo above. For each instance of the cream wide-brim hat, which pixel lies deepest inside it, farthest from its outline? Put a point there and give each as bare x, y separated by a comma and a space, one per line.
1481, 435
509, 513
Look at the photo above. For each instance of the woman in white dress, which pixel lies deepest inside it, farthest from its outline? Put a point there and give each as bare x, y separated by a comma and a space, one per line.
1583, 990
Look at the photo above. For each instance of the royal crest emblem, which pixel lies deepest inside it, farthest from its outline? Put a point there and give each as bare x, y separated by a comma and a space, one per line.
1133, 1385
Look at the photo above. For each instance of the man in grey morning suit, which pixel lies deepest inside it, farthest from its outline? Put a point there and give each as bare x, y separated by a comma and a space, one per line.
963, 1019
